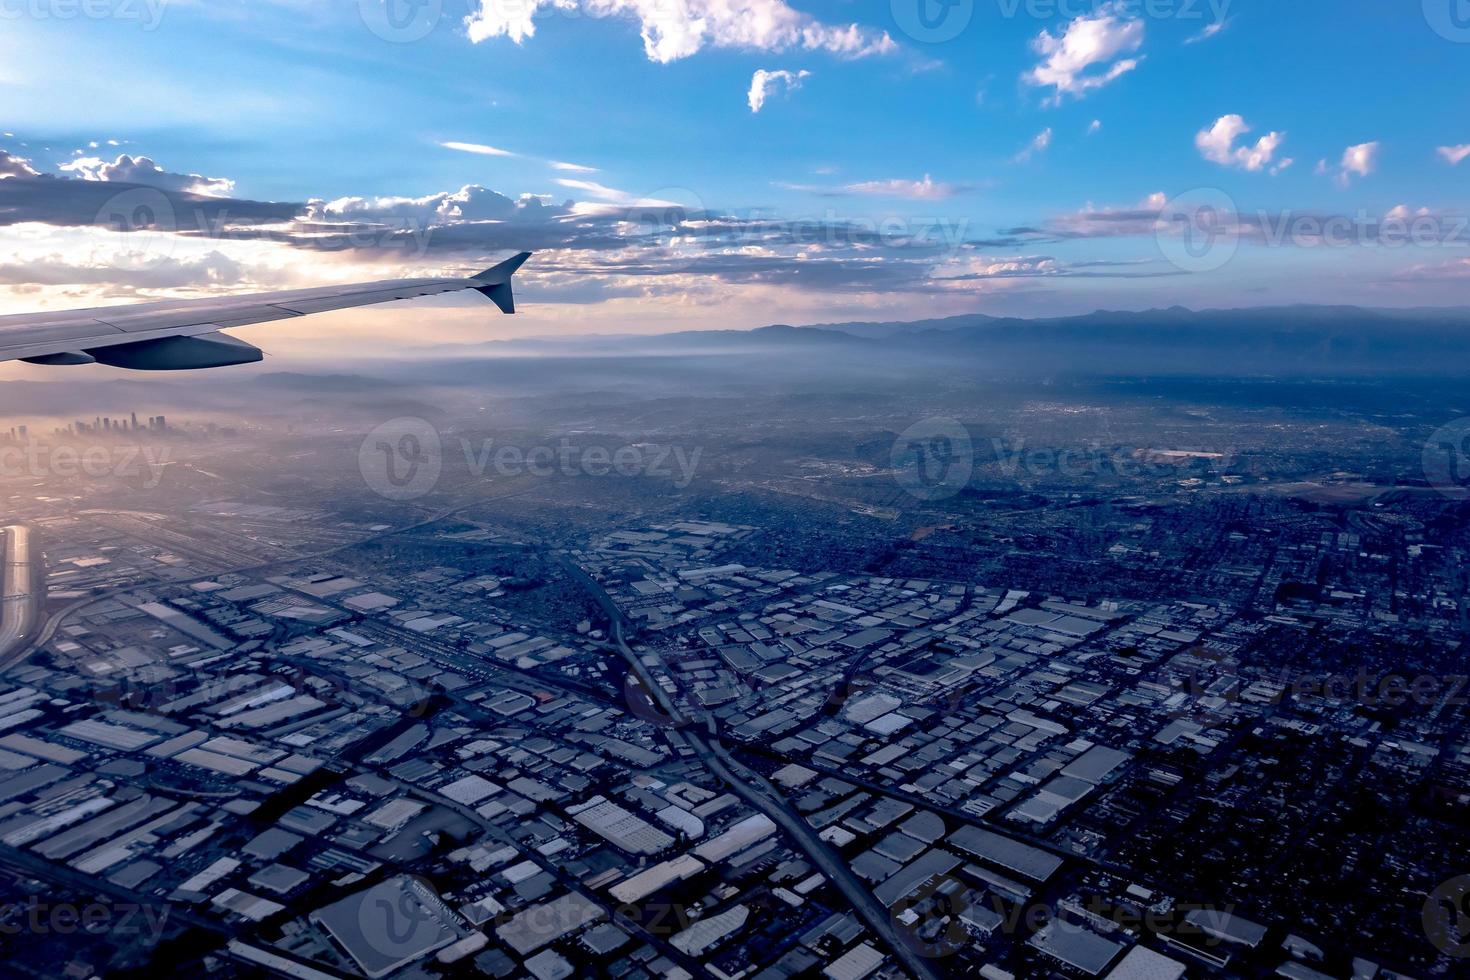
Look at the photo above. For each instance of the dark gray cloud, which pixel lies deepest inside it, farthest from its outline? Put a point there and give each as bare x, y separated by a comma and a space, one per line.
14, 166
126, 207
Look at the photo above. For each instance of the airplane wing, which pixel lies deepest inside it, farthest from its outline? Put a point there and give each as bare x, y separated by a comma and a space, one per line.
185, 334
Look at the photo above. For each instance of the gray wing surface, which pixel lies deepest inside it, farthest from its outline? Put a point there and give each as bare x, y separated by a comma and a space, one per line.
185, 333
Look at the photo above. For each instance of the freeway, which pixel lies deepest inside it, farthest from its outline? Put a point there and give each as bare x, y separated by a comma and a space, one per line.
20, 595
755, 790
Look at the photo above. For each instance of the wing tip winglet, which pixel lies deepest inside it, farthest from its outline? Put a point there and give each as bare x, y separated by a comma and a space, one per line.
496, 281
503, 271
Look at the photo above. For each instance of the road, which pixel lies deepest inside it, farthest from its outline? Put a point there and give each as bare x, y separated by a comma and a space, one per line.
20, 593
760, 794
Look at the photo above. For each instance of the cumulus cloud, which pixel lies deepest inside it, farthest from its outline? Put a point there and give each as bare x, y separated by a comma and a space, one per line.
1452, 155
1357, 161
1039, 144
1094, 126
1217, 144
764, 83
1088, 54
469, 203
677, 30
14, 166
141, 170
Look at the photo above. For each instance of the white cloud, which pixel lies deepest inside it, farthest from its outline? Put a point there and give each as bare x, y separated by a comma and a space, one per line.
469, 203
600, 191
674, 30
1357, 161
1217, 144
575, 168
1209, 31
923, 190
764, 83
1094, 126
142, 170
479, 148
1097, 41
1453, 155
1038, 144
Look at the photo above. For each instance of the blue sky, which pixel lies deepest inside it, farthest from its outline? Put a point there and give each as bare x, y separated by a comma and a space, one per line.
1045, 154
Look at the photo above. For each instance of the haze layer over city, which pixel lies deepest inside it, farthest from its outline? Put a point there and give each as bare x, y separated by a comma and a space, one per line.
734, 489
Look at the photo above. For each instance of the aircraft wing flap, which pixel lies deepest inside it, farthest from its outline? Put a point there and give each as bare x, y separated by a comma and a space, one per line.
348, 301
102, 336
56, 336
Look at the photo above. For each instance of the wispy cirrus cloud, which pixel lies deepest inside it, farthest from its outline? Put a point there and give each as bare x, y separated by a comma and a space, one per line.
480, 149
1038, 145
671, 31
1088, 54
1208, 31
1454, 155
927, 189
